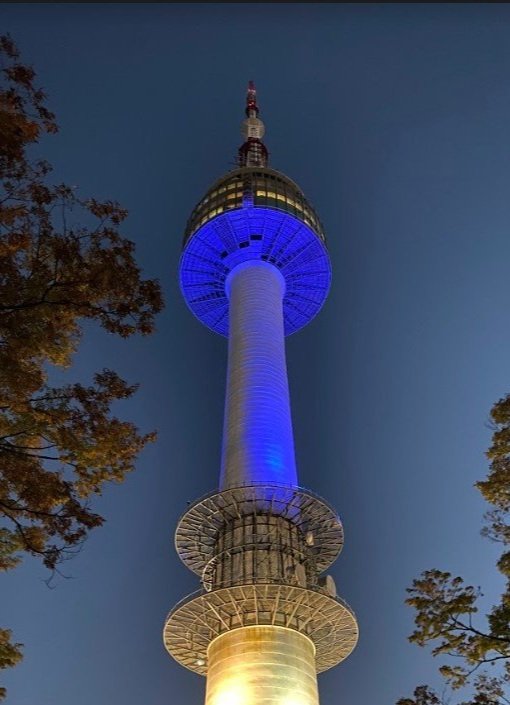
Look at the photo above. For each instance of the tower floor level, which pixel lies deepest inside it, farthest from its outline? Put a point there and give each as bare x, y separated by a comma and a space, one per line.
254, 214
255, 268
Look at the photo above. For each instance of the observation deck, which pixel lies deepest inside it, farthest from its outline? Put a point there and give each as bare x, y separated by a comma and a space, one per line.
196, 621
254, 213
317, 523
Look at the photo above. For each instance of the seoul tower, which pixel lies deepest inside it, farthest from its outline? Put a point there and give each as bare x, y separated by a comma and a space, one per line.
267, 619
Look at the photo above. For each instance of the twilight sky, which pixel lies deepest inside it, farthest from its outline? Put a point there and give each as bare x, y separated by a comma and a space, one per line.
395, 121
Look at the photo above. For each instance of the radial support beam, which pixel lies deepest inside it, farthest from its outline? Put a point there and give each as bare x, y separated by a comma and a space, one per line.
198, 529
197, 620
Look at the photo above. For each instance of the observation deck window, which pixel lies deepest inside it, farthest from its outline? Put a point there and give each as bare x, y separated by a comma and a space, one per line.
259, 188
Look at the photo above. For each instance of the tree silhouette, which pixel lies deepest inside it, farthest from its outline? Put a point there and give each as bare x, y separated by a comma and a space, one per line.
446, 610
62, 261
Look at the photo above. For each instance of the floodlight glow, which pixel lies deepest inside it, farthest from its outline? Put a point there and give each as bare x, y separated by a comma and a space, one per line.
255, 233
258, 444
269, 665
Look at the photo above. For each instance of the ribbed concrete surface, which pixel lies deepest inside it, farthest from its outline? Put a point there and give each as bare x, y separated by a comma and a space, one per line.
258, 444
261, 666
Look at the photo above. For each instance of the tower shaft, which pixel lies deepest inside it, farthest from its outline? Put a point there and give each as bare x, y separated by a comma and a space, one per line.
258, 445
255, 268
270, 665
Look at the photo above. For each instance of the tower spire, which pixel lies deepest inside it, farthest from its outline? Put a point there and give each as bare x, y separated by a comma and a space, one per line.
253, 151
252, 109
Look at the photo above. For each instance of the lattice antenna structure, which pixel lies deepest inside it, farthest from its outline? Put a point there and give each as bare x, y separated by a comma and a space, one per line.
253, 151
255, 268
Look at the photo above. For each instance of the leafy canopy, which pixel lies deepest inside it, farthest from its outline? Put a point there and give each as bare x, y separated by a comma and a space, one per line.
62, 261
446, 609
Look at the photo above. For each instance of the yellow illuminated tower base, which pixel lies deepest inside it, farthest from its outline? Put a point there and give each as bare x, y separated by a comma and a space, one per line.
267, 619
254, 665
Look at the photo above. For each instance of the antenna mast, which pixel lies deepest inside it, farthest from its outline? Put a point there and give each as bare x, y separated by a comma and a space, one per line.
253, 151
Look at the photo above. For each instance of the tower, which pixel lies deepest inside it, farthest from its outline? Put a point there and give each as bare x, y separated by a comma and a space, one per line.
255, 268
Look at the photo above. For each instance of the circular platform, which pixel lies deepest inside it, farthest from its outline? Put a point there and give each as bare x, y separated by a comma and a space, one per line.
197, 531
191, 626
254, 214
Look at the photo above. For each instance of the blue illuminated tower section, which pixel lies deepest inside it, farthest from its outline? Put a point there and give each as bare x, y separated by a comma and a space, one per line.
266, 620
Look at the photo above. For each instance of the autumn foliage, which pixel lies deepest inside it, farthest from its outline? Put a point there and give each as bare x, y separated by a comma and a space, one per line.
447, 613
62, 261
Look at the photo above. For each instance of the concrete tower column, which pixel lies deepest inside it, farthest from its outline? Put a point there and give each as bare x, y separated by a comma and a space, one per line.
258, 444
260, 664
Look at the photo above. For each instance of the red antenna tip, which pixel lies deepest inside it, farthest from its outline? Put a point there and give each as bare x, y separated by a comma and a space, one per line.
251, 99
252, 152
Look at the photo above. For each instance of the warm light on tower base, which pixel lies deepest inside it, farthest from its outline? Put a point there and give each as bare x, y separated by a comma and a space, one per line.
261, 664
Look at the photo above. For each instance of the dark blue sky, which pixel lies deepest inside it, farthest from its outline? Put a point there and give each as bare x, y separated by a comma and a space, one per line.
395, 121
